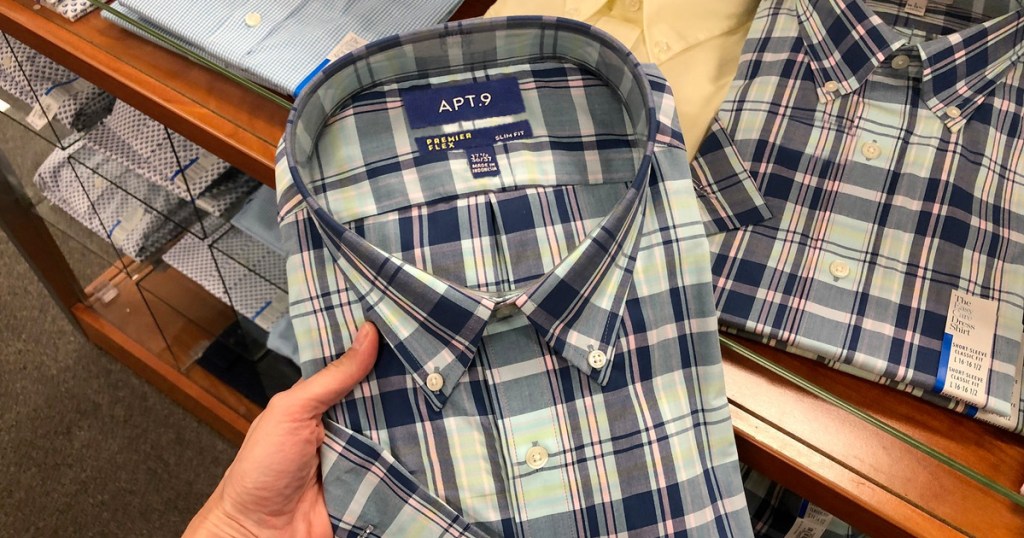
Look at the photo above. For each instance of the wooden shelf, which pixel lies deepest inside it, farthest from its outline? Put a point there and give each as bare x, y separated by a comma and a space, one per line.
848, 467
157, 340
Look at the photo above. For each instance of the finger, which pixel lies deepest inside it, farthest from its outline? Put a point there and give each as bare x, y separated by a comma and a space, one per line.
328, 386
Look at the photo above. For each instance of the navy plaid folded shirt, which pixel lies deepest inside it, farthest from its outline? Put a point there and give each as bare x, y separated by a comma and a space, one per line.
509, 201
888, 146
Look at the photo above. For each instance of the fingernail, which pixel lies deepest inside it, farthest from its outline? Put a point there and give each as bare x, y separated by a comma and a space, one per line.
362, 335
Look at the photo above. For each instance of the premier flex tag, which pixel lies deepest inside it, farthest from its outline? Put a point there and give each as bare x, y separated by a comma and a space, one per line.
966, 357
442, 105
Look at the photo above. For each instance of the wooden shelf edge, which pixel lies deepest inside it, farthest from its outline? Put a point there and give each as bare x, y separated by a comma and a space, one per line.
840, 491
164, 377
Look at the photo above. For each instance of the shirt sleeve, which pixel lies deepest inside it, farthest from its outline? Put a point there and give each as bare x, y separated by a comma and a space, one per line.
725, 188
369, 494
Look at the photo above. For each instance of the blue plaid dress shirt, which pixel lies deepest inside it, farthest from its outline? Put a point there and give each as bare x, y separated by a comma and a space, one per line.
549, 361
889, 149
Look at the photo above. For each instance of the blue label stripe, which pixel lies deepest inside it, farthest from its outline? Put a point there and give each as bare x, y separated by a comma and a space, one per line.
183, 168
110, 232
59, 84
940, 379
309, 77
260, 311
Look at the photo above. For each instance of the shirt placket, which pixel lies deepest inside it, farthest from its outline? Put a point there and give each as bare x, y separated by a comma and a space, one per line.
519, 370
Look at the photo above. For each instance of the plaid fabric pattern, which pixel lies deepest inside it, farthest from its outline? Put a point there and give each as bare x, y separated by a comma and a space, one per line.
565, 303
890, 144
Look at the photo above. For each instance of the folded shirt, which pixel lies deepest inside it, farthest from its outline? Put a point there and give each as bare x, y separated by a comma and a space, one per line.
776, 512
70, 9
155, 152
258, 218
52, 91
108, 211
279, 44
230, 279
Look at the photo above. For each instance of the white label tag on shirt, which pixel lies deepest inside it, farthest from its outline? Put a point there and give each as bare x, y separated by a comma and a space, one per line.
203, 164
966, 357
1011, 421
347, 44
916, 7
812, 522
50, 101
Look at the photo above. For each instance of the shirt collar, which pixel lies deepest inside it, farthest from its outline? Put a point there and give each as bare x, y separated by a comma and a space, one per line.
846, 41
435, 326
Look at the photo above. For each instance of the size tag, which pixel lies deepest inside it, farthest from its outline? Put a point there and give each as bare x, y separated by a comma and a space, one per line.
50, 101
271, 311
482, 161
485, 136
1010, 422
916, 7
967, 348
347, 44
812, 523
428, 106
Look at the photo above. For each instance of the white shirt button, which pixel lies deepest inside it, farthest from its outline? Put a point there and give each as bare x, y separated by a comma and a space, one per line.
871, 150
831, 86
597, 359
839, 269
435, 381
634, 5
536, 457
253, 19
901, 61
953, 112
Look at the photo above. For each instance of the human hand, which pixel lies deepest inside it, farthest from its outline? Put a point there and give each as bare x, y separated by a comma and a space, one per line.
273, 487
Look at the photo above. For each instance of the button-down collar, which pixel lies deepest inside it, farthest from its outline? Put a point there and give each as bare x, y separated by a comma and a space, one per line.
846, 41
433, 325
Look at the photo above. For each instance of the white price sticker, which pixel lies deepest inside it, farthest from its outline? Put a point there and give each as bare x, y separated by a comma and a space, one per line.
916, 7
812, 523
347, 44
966, 358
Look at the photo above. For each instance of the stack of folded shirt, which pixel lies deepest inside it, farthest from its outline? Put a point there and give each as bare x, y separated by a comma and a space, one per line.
231, 278
54, 93
258, 219
70, 9
283, 43
130, 139
133, 227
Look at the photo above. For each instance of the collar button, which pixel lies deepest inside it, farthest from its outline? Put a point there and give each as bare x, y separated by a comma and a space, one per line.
597, 359
831, 86
435, 382
953, 112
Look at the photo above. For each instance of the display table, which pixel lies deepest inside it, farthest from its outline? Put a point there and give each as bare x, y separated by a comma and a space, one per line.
851, 468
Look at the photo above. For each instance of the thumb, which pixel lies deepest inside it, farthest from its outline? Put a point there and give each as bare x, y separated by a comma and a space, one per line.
327, 387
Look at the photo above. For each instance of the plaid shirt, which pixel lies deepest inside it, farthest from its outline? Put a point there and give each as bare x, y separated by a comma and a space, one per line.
549, 361
889, 150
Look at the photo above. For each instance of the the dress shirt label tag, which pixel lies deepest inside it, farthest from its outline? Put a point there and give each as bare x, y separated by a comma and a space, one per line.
50, 100
1011, 421
966, 357
916, 7
441, 105
484, 136
812, 523
482, 161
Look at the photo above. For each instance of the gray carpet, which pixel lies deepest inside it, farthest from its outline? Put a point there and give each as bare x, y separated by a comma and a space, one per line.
86, 447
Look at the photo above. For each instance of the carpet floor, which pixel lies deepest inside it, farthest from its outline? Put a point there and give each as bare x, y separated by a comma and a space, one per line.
86, 447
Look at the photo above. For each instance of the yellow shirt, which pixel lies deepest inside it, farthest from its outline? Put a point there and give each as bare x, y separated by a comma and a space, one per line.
695, 43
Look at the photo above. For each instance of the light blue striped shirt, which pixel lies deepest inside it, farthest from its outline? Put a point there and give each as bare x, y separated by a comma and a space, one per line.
280, 43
